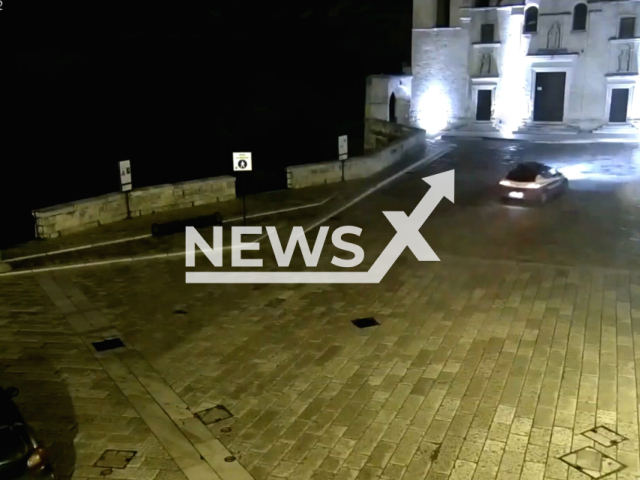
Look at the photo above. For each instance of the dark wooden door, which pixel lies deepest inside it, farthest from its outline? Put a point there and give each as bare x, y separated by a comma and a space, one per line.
548, 104
443, 14
392, 108
619, 104
483, 109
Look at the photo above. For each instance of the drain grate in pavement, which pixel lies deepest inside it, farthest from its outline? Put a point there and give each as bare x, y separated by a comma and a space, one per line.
214, 415
593, 463
365, 322
115, 458
108, 344
604, 436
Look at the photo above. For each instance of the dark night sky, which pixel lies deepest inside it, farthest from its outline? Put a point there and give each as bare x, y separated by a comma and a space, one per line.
176, 87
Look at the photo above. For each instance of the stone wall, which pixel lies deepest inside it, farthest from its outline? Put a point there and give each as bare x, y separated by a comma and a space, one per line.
68, 218
379, 90
403, 140
160, 198
300, 176
72, 217
379, 134
440, 86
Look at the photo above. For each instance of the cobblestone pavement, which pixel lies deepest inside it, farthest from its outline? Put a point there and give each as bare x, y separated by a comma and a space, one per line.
481, 368
65, 394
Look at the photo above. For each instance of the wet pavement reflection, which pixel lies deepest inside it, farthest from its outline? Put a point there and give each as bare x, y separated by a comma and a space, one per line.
597, 222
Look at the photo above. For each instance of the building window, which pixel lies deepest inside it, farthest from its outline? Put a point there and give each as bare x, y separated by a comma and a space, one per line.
627, 27
487, 33
531, 20
580, 17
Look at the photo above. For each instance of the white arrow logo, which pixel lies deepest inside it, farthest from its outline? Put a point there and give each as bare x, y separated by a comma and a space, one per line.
407, 235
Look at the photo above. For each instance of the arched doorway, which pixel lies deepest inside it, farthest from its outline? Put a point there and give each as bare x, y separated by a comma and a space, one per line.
392, 109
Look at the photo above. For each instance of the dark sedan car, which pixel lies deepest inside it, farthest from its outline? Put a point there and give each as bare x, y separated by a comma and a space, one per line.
22, 456
533, 181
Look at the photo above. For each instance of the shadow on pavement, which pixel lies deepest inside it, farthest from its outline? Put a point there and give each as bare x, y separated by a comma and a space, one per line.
45, 403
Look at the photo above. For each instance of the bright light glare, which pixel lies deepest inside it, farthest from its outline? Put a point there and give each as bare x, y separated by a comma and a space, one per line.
574, 172
434, 109
405, 90
512, 104
507, 130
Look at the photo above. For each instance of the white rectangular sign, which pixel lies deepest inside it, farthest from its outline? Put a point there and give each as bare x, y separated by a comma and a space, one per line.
242, 161
125, 175
343, 147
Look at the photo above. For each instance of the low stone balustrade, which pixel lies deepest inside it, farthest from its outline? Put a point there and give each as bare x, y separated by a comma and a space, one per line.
72, 217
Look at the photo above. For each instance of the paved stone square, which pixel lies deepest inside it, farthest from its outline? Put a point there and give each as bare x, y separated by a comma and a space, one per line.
484, 365
65, 395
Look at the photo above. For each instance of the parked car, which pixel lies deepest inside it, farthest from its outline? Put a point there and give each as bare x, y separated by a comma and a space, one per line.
533, 181
22, 456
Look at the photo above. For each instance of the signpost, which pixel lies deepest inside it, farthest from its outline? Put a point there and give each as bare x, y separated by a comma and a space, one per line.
125, 181
242, 163
343, 151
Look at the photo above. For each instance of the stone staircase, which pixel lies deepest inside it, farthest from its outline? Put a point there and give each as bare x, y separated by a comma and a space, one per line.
547, 129
473, 127
617, 129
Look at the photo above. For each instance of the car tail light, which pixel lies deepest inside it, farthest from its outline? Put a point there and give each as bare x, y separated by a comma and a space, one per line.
37, 459
507, 183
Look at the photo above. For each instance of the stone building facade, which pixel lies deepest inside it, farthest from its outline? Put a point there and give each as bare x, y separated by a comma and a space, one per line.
516, 65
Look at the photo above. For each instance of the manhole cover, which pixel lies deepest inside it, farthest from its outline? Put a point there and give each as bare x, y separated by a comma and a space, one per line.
214, 415
591, 462
108, 344
225, 429
604, 436
115, 459
365, 322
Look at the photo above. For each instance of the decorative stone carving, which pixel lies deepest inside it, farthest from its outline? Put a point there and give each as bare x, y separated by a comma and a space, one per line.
624, 59
554, 37
485, 64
